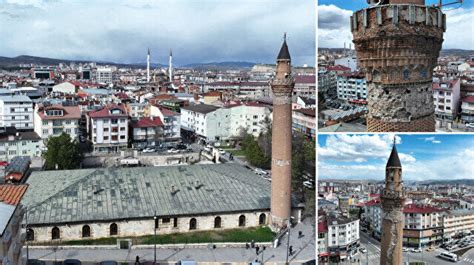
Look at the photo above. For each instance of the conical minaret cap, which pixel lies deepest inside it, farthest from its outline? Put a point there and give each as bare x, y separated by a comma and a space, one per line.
284, 52
394, 160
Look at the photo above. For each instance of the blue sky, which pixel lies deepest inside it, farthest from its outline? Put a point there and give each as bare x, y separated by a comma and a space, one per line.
122, 30
422, 156
334, 31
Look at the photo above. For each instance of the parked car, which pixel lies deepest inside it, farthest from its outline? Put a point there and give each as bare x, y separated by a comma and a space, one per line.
362, 250
173, 151
221, 151
72, 262
470, 125
148, 150
404, 249
416, 250
260, 171
308, 184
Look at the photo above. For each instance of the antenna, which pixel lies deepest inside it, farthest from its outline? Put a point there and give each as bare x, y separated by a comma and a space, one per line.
284, 36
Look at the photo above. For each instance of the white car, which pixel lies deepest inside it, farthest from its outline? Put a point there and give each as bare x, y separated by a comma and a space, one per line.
221, 151
404, 249
148, 150
173, 151
470, 125
260, 171
416, 250
308, 184
362, 250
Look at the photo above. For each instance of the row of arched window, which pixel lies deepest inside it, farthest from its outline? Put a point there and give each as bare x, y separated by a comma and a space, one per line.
113, 228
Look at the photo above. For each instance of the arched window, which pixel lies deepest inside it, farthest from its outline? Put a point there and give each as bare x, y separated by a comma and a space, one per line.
262, 219
113, 229
192, 224
55, 233
217, 222
86, 231
406, 74
242, 220
30, 234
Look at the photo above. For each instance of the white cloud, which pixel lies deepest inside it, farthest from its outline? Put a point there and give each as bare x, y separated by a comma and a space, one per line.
431, 139
359, 148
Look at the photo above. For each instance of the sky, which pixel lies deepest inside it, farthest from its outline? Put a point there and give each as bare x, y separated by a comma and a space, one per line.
197, 31
334, 26
423, 157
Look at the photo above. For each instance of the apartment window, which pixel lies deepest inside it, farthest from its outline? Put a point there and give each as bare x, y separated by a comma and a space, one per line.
106, 138
26, 117
24, 152
12, 144
23, 143
13, 117
114, 137
114, 121
122, 137
12, 109
122, 129
106, 129
68, 122
68, 130
26, 109
45, 131
122, 120
12, 152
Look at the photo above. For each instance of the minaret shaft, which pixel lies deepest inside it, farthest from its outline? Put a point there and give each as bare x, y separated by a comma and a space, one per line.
282, 87
148, 67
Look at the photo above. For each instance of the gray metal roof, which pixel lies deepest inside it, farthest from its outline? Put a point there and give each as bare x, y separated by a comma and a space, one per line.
6, 212
201, 108
124, 193
15, 98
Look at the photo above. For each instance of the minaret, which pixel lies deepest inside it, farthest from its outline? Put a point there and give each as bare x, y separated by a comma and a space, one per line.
393, 200
282, 87
148, 66
170, 69
397, 44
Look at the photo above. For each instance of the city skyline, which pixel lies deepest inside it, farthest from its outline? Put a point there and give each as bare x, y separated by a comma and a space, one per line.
121, 32
423, 157
334, 26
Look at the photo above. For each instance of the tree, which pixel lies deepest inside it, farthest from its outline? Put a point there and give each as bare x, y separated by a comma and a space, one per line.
62, 153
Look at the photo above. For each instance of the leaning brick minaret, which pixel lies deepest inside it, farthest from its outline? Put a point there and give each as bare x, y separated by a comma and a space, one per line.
282, 87
397, 44
393, 199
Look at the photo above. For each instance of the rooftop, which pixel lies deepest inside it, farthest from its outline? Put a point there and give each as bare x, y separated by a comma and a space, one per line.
119, 193
200, 108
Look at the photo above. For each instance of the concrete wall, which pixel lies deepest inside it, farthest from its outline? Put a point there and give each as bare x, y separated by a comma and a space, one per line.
148, 160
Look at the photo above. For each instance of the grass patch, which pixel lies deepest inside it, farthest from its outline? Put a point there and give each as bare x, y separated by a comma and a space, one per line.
236, 152
259, 234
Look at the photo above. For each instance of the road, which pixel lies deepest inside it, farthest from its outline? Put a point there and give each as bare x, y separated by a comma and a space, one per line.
304, 250
373, 254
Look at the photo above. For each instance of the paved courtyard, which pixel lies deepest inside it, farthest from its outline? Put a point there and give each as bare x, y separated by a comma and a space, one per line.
304, 250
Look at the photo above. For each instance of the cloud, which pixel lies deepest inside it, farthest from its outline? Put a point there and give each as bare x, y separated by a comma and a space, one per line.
359, 148
431, 139
121, 31
337, 163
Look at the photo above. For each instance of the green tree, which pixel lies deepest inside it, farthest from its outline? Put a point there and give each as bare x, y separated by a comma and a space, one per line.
63, 153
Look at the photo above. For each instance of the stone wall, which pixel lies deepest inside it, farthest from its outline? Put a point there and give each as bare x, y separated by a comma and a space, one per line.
145, 226
107, 160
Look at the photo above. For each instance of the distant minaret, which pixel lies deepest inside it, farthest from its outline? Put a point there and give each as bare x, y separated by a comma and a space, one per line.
170, 70
282, 87
148, 66
393, 200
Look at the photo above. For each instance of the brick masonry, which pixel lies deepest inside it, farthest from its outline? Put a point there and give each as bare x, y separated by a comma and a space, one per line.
397, 46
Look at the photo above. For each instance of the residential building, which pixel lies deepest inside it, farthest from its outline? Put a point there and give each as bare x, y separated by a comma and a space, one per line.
456, 222
348, 61
16, 111
252, 89
467, 109
108, 128
104, 75
171, 121
147, 132
304, 121
54, 119
423, 226
305, 86
351, 86
373, 217
18, 143
11, 216
70, 87
447, 99
322, 251
343, 237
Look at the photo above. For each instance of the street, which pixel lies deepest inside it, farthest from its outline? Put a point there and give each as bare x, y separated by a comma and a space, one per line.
373, 254
304, 250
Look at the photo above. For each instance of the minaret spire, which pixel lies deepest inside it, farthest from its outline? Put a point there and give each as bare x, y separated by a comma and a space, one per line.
170, 69
148, 66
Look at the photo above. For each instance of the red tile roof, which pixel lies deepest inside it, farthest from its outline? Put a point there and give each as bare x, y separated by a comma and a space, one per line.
12, 194
167, 112
122, 95
306, 79
322, 227
413, 208
70, 112
372, 202
148, 122
469, 99
338, 68
106, 112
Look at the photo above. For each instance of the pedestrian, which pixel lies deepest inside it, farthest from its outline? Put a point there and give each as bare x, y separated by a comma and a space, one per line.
247, 246
291, 250
252, 244
300, 234
137, 260
257, 248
